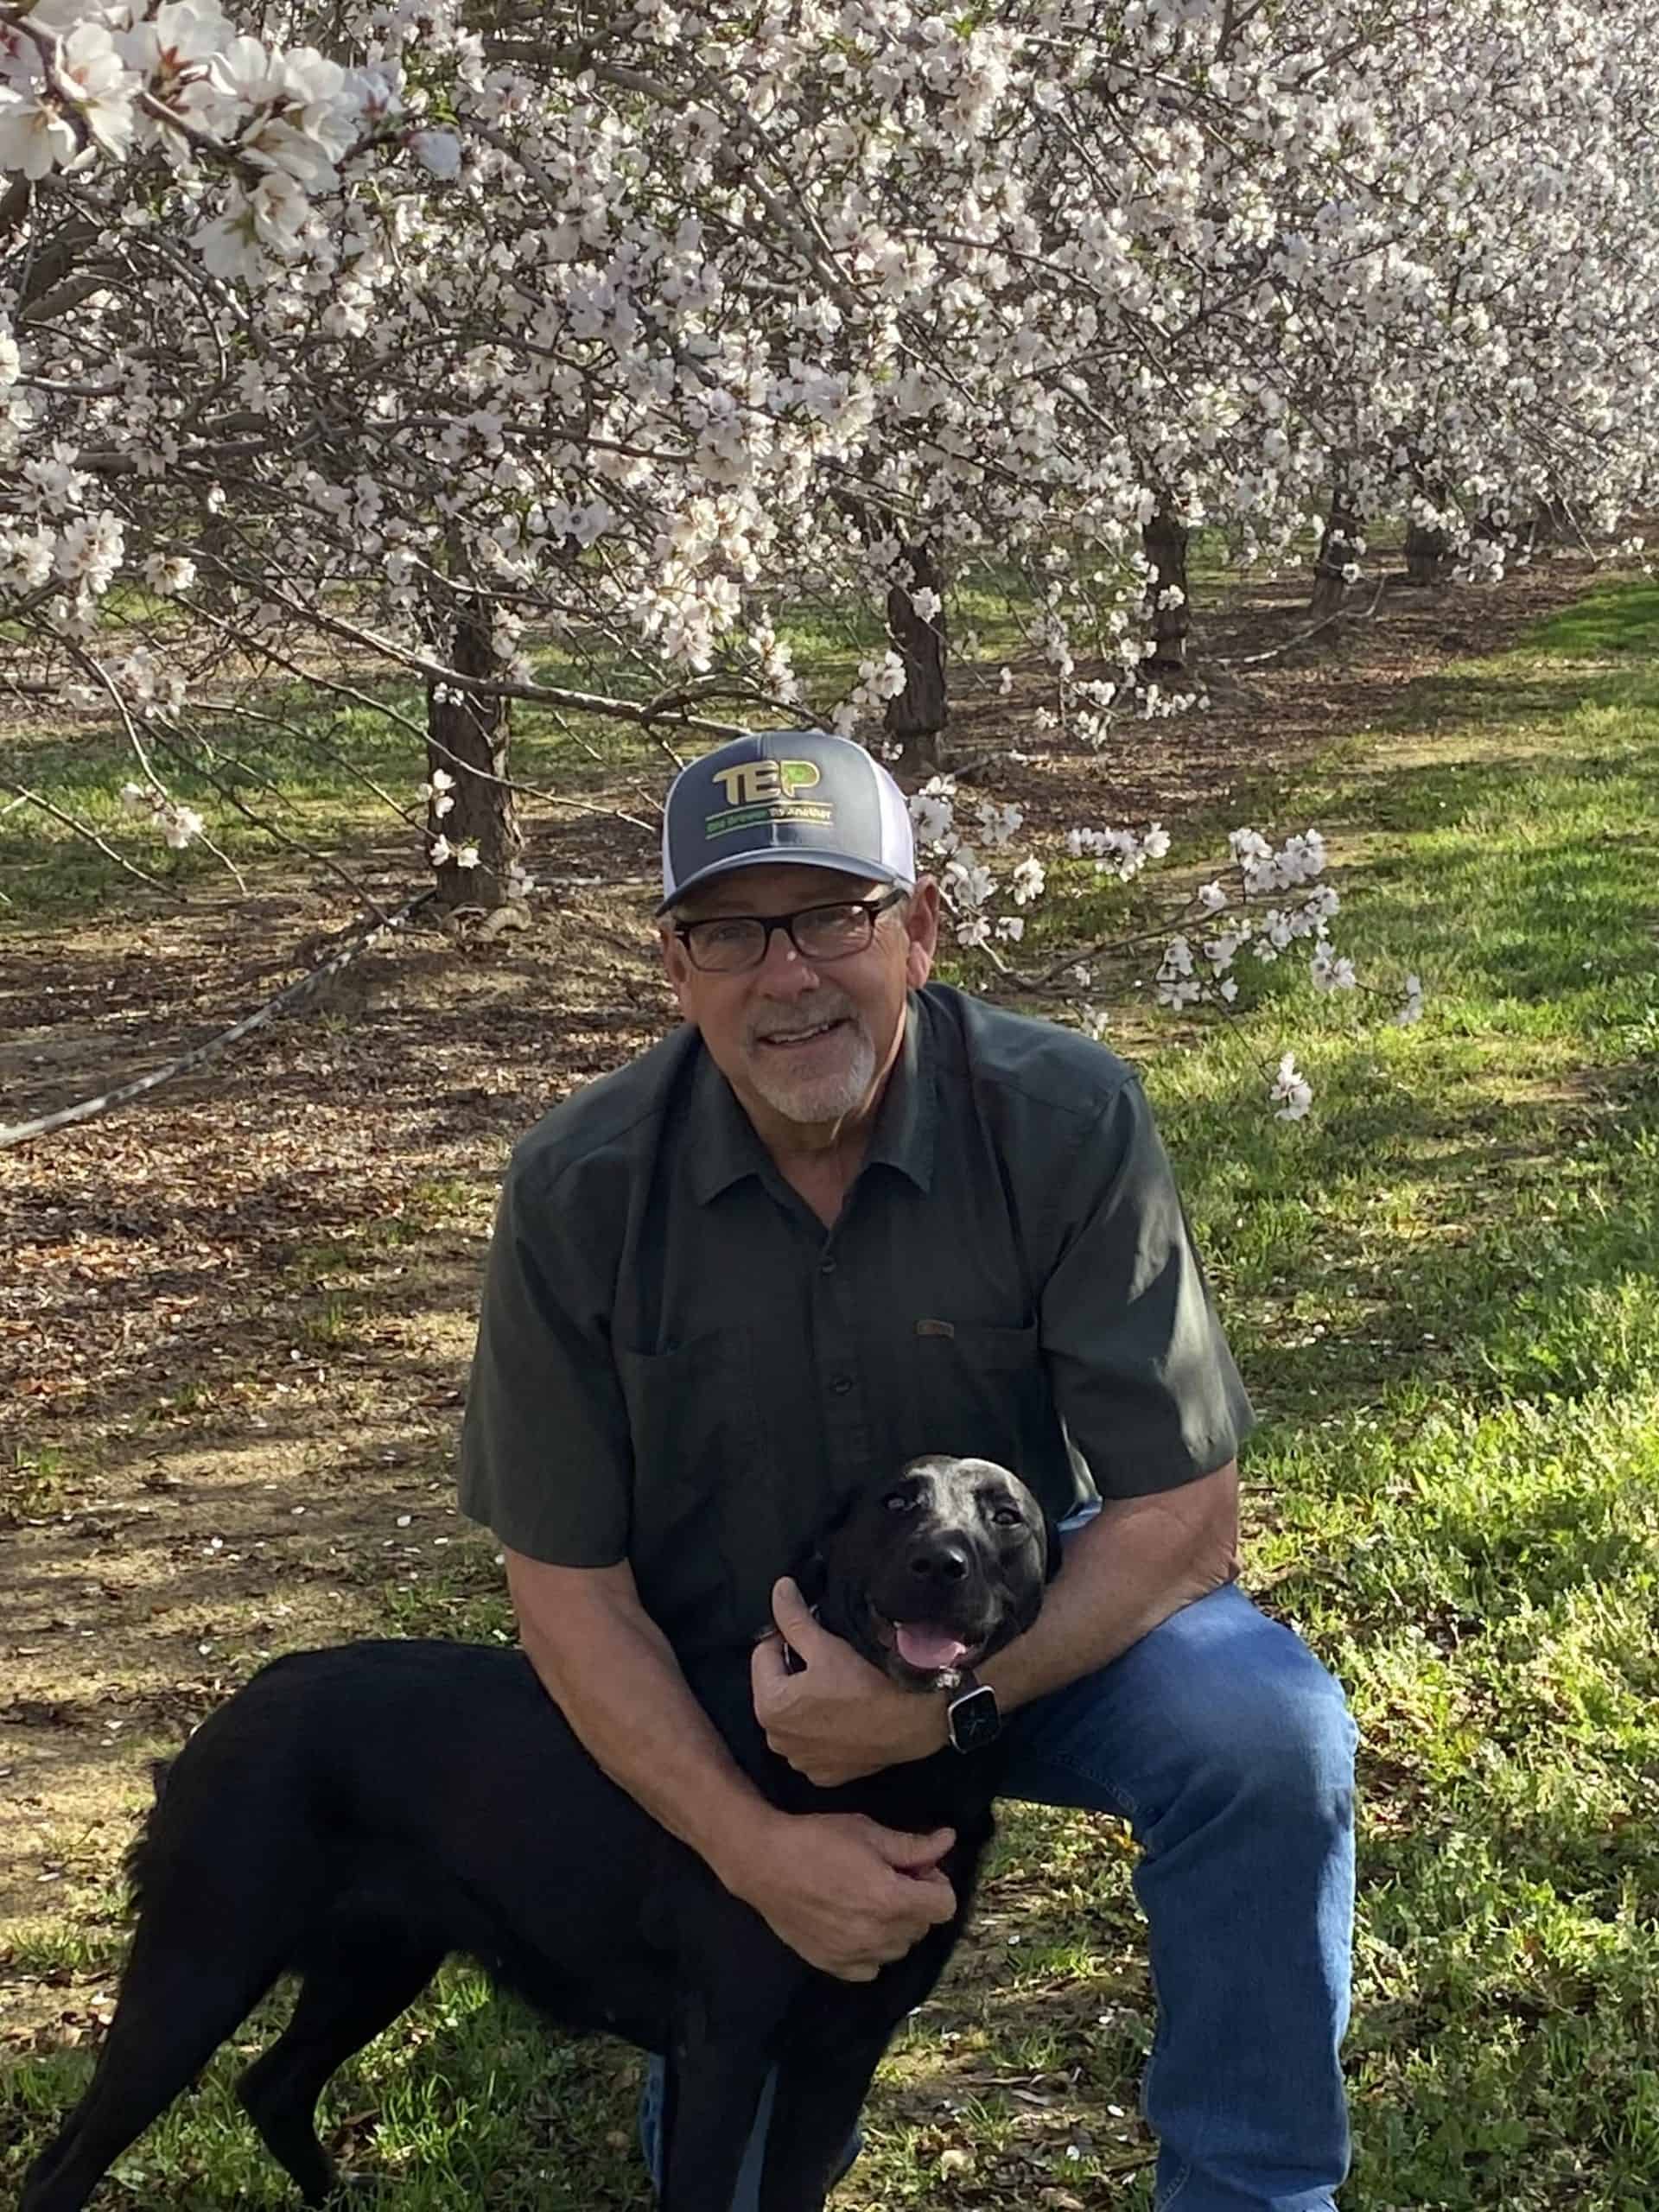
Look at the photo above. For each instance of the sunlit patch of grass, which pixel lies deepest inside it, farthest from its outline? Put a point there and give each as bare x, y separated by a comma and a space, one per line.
33, 1483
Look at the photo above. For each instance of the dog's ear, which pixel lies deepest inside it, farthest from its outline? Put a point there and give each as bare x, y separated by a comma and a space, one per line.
812, 1575
812, 1568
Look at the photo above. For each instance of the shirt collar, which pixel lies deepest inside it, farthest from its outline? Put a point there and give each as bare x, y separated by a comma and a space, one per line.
723, 1145
907, 1117
725, 1148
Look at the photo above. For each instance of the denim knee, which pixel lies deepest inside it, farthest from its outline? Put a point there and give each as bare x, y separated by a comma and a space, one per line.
1267, 1720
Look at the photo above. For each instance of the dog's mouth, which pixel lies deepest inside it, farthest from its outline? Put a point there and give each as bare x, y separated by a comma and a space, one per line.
928, 1650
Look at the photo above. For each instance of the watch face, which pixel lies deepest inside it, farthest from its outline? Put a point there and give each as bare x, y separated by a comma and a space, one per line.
975, 1719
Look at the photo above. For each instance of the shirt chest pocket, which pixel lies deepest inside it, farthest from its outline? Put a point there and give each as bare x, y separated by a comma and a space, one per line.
692, 1425
981, 1392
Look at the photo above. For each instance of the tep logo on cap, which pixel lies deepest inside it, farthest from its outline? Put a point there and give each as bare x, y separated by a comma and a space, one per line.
788, 794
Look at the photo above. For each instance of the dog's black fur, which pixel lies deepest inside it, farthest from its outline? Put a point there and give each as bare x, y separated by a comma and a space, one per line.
354, 1816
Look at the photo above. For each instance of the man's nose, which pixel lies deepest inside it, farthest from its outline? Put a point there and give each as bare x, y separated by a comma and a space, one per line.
784, 972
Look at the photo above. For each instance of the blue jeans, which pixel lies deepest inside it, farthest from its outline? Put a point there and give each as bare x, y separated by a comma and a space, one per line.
1229, 1749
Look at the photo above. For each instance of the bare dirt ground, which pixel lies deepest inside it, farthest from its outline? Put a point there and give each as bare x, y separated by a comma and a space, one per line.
235, 1319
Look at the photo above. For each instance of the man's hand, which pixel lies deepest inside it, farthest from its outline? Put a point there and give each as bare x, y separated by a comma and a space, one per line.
846, 1894
839, 1719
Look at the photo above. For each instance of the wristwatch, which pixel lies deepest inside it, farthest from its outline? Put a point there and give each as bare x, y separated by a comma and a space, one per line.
973, 1719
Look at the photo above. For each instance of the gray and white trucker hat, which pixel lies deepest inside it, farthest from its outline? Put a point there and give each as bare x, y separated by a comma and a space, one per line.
797, 795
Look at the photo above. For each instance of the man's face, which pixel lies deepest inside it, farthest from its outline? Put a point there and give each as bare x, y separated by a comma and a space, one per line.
807, 1041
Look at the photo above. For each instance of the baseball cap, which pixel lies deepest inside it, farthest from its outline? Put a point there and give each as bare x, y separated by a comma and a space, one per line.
797, 795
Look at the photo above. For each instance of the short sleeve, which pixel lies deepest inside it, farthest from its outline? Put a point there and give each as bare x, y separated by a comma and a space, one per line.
1139, 1369
545, 1458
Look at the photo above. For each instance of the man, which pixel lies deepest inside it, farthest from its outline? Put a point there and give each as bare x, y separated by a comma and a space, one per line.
840, 1218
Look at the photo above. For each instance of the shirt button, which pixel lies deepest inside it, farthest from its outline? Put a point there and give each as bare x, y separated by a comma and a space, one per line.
842, 1385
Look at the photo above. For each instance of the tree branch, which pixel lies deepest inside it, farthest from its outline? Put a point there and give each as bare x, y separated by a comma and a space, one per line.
25, 1132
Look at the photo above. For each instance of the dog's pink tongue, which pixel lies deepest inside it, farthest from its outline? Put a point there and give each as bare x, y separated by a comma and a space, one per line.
929, 1650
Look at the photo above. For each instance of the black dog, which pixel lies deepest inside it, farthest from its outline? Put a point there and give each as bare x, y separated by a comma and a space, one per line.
354, 1816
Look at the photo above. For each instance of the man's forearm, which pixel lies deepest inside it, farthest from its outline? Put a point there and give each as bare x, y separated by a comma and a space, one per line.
614, 1675
1137, 1562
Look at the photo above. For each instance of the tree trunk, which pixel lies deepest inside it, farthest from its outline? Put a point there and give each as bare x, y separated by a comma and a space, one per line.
1553, 522
1338, 548
1164, 540
1427, 550
467, 741
1425, 554
917, 715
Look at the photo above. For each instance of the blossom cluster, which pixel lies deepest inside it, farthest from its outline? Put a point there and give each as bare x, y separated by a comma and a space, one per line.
968, 879
1230, 913
178, 826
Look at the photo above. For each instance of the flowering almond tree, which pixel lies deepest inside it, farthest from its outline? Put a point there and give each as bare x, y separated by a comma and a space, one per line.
1479, 332
521, 357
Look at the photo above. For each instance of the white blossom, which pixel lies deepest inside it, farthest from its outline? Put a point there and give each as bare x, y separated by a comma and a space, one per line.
1293, 1089
36, 137
168, 574
1329, 973
437, 150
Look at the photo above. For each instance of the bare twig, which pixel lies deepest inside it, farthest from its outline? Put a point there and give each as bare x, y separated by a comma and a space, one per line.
84, 829
1342, 614
176, 742
583, 702
24, 1132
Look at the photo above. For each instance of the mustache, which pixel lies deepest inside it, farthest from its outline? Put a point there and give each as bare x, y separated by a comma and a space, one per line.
809, 1014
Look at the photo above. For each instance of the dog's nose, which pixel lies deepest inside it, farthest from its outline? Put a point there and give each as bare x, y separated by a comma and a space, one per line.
940, 1562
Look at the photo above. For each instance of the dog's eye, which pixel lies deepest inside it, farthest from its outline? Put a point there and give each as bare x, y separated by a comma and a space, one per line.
900, 1501
1008, 1517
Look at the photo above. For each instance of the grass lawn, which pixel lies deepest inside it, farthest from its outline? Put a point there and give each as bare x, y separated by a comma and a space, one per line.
1444, 1293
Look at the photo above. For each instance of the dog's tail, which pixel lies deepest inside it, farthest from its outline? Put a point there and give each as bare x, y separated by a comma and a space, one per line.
140, 1849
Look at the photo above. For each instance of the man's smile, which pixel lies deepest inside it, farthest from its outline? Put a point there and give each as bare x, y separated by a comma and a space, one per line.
793, 1040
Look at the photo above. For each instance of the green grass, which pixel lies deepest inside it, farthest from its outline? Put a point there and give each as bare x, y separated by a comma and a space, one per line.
31, 1484
1443, 1292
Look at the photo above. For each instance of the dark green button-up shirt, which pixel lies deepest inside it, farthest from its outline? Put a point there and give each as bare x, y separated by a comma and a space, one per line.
679, 1366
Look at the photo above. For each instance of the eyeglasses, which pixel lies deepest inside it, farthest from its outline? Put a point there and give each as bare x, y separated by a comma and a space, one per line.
728, 944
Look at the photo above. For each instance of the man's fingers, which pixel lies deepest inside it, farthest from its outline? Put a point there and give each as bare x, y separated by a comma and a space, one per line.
794, 1618
767, 1666
939, 1899
914, 1854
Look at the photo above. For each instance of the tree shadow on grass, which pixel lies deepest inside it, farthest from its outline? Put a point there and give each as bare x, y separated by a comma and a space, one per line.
1615, 618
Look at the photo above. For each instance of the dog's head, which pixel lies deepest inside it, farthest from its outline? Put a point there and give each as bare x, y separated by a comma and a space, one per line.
933, 1569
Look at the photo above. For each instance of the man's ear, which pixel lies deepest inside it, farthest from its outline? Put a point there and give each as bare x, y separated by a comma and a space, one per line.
922, 933
677, 965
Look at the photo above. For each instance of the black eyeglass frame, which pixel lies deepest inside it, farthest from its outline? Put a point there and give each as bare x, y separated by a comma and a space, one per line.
873, 907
